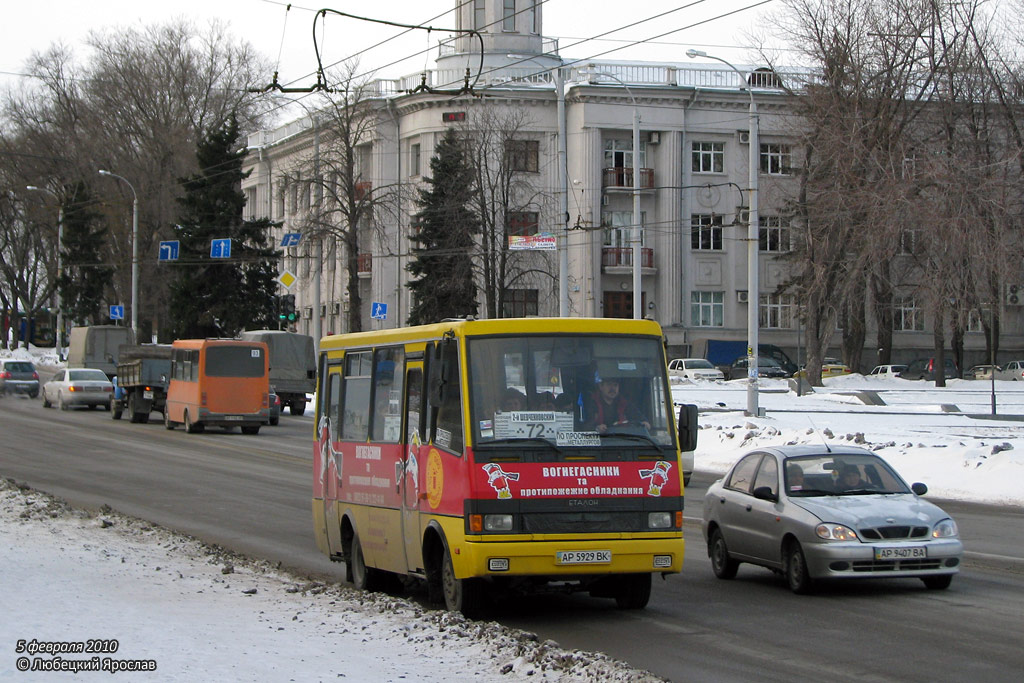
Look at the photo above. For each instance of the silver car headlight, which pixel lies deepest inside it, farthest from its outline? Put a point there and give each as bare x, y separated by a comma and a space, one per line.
835, 532
945, 529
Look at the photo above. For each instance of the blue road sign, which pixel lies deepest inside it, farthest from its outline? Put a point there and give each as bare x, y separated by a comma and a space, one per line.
290, 239
220, 248
169, 250
378, 311
117, 312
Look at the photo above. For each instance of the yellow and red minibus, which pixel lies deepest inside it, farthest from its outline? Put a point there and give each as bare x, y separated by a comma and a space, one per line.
423, 467
218, 383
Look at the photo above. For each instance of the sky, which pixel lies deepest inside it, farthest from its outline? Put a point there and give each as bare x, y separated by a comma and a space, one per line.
72, 575
285, 36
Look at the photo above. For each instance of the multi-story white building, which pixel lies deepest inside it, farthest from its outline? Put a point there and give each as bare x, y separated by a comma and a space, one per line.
693, 163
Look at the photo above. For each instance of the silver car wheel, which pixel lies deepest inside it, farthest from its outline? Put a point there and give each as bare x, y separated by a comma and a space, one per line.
797, 576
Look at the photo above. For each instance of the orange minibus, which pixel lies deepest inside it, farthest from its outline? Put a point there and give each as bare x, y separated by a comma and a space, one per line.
218, 383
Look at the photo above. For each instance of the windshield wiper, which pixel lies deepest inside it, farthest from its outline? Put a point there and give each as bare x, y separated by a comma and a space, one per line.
629, 435
857, 492
809, 492
520, 439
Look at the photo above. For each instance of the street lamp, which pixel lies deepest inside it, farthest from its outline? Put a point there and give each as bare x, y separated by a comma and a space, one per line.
563, 183
753, 296
135, 250
635, 237
59, 336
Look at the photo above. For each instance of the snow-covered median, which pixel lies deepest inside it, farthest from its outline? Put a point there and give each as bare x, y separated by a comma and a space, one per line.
142, 597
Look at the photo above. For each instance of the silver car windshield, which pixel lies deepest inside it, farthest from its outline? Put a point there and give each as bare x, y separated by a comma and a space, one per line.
840, 474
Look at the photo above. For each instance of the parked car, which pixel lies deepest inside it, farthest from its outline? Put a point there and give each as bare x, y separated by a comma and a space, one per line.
18, 377
694, 368
275, 407
983, 372
78, 387
821, 512
887, 371
924, 368
766, 367
1013, 371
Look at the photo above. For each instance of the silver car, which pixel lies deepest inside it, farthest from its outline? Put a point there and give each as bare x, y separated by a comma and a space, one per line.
827, 512
78, 387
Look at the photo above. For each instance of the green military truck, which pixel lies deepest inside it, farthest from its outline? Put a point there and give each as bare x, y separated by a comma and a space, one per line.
292, 365
140, 387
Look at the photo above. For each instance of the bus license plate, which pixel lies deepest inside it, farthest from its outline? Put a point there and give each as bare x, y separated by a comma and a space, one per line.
583, 556
148, 394
913, 552
234, 417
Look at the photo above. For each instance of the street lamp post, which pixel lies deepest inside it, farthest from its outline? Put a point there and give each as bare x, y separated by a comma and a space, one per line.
59, 335
563, 183
135, 250
635, 235
753, 287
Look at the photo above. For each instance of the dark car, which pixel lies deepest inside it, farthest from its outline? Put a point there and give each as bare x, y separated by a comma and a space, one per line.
827, 512
924, 368
18, 377
766, 367
275, 407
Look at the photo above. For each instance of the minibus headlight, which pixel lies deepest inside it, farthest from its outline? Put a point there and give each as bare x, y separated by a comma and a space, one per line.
497, 522
659, 520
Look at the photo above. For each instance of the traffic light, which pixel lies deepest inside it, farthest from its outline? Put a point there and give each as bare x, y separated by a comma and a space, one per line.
287, 311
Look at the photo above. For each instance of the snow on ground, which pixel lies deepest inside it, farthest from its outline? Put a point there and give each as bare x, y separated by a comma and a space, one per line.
960, 455
188, 611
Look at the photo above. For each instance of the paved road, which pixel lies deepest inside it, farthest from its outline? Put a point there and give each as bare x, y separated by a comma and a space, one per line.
251, 494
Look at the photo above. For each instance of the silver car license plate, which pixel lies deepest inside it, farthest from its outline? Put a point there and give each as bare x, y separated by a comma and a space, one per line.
583, 556
912, 552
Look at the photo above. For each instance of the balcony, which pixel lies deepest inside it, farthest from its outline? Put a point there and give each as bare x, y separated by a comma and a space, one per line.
620, 259
622, 178
364, 265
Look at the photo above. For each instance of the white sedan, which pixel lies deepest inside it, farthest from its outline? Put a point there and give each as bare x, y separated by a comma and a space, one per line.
693, 369
1012, 371
78, 387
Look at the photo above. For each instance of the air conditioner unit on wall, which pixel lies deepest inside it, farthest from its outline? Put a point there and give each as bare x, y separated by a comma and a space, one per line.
654, 137
743, 136
307, 312
605, 200
1014, 295
741, 296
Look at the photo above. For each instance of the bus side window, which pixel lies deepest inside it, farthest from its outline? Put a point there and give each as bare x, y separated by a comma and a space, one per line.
388, 376
414, 394
355, 414
448, 430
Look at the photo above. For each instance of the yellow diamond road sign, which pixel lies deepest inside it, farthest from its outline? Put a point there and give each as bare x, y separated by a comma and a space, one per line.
286, 279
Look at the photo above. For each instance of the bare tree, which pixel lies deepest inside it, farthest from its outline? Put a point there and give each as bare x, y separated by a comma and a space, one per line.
346, 208
505, 160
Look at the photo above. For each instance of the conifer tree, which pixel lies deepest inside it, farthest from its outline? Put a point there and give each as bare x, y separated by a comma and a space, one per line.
213, 297
444, 241
83, 278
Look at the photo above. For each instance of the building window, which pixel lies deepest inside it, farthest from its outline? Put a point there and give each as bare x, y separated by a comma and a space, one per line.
708, 157
618, 228
534, 17
414, 159
479, 15
776, 311
707, 309
523, 155
522, 223
776, 159
907, 317
773, 233
508, 15
279, 204
519, 303
619, 154
705, 232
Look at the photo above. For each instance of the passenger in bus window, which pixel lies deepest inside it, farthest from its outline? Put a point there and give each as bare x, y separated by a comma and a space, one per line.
544, 400
513, 399
609, 408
